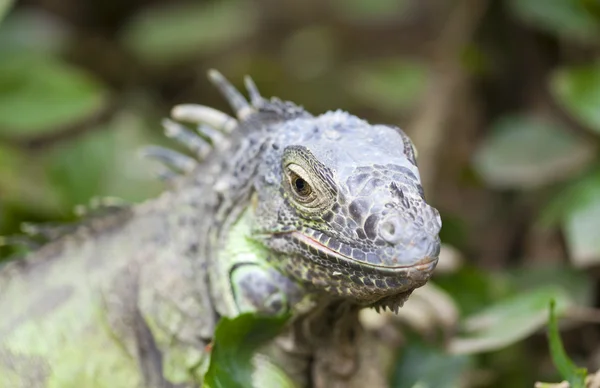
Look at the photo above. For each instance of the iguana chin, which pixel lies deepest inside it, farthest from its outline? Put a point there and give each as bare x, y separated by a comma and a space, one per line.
283, 206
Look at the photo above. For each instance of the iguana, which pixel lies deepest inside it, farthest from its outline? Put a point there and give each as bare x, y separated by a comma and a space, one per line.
278, 207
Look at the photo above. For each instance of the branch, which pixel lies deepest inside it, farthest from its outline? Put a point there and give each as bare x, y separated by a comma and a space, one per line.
429, 126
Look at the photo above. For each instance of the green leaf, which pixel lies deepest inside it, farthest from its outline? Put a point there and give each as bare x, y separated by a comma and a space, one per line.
561, 17
581, 232
593, 7
39, 95
5, 5
524, 152
578, 90
471, 288
577, 208
102, 162
169, 34
34, 31
24, 184
428, 366
567, 369
577, 283
389, 85
508, 321
235, 343
576, 195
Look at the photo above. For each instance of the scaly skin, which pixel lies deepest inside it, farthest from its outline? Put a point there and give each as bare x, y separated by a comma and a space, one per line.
288, 207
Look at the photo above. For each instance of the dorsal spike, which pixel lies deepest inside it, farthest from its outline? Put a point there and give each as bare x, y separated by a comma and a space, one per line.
107, 204
100, 206
22, 241
165, 174
255, 98
235, 99
198, 114
49, 231
216, 138
170, 158
184, 136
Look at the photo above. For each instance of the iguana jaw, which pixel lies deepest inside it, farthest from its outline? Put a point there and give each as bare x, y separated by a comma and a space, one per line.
366, 284
324, 269
424, 264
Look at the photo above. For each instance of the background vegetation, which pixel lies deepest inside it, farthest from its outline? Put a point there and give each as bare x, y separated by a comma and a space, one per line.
502, 99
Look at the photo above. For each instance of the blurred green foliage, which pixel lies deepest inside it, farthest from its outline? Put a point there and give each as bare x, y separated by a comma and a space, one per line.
391, 86
4, 7
169, 34
83, 85
525, 152
578, 89
569, 371
423, 364
562, 17
59, 94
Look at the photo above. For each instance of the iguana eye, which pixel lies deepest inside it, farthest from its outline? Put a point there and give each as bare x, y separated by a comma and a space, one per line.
301, 187
300, 184
306, 186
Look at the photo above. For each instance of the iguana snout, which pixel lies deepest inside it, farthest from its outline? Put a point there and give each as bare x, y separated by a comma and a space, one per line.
412, 244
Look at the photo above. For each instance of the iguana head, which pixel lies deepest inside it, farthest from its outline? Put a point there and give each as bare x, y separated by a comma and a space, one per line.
342, 201
337, 201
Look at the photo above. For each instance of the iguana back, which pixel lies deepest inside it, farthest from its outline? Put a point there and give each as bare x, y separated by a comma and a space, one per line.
94, 297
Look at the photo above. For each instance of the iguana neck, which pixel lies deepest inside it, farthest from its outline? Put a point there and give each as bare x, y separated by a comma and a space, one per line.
201, 211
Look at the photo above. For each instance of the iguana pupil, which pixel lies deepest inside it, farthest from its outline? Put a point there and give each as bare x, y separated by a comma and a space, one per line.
302, 188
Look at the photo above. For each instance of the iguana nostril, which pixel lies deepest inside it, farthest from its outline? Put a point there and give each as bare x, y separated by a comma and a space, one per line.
390, 229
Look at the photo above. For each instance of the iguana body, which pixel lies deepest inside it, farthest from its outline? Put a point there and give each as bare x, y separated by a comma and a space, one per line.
288, 206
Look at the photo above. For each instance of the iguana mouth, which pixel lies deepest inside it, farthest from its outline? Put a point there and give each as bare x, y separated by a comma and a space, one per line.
425, 264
